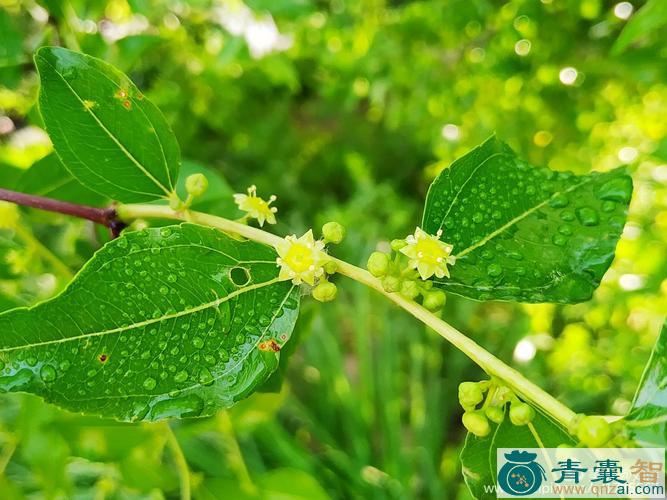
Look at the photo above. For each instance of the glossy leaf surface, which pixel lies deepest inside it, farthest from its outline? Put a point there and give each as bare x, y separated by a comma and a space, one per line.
478, 458
104, 130
648, 416
166, 322
525, 233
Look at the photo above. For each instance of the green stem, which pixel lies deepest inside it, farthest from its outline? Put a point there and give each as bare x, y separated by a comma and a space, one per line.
487, 361
179, 459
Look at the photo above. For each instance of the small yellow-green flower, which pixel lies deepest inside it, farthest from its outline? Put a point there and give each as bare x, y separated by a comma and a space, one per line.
301, 259
428, 255
256, 207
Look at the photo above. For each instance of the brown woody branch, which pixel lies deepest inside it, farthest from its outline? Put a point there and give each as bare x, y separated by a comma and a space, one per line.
104, 216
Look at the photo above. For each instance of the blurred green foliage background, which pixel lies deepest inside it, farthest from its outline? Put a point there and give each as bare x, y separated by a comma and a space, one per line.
346, 110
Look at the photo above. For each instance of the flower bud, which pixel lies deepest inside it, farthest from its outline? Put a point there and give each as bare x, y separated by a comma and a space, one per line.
396, 245
196, 184
333, 232
325, 292
409, 289
495, 414
594, 431
434, 300
521, 413
476, 423
330, 267
391, 283
470, 394
378, 264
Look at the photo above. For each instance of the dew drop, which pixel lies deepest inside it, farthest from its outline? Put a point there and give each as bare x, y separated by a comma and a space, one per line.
494, 270
477, 217
181, 376
186, 406
567, 216
559, 201
618, 189
164, 290
16, 382
565, 229
198, 342
608, 206
559, 240
587, 216
47, 373
149, 384
205, 377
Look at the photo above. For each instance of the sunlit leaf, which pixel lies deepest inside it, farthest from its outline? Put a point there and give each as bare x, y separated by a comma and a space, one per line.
165, 322
104, 130
525, 233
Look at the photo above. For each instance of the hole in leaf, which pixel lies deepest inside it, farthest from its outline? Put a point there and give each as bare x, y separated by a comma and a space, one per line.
239, 276
103, 358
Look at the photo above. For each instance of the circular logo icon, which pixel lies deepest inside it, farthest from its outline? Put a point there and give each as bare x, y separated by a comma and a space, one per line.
521, 475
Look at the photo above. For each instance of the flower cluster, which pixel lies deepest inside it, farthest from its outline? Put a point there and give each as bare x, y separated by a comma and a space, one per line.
493, 397
304, 260
256, 207
427, 256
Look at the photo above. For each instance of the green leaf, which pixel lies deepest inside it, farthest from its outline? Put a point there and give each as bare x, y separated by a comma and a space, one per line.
651, 17
164, 322
478, 458
525, 233
112, 139
647, 420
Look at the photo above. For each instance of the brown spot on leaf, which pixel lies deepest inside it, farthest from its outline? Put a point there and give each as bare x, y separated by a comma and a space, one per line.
269, 345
